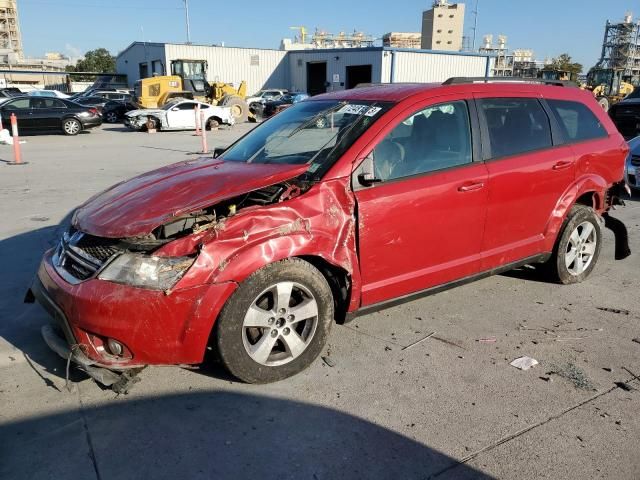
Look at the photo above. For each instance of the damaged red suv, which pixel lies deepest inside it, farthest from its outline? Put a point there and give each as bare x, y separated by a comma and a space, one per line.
339, 205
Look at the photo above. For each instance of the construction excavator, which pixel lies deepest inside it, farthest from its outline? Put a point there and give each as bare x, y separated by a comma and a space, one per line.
188, 80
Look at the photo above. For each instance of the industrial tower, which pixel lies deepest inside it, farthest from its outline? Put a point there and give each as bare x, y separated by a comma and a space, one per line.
621, 49
10, 37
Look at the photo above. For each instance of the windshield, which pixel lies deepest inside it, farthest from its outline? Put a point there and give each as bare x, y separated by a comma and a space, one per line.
312, 132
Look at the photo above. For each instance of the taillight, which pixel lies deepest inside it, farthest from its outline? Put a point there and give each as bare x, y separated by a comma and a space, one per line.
93, 111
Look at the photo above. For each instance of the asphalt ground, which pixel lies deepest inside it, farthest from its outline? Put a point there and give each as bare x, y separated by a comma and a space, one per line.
384, 403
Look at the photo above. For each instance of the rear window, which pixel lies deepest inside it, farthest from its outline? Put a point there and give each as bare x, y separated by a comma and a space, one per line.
577, 121
516, 125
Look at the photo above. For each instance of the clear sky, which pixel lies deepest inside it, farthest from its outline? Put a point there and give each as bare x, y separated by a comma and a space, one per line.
75, 26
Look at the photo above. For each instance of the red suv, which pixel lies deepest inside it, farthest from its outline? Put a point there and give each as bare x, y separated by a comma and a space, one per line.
341, 204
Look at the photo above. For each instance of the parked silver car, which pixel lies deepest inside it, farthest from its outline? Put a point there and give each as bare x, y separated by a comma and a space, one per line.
632, 165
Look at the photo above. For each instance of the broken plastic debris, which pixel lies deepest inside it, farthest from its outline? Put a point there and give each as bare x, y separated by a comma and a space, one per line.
488, 340
524, 363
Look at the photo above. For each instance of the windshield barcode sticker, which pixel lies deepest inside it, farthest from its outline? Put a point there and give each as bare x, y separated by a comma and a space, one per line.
359, 110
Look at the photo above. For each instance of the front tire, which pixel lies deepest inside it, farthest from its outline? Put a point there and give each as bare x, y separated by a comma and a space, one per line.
71, 126
578, 247
276, 323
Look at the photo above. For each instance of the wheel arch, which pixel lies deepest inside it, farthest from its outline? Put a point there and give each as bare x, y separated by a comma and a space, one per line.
589, 190
339, 267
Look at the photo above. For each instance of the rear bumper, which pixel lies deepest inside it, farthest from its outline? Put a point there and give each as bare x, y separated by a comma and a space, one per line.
91, 122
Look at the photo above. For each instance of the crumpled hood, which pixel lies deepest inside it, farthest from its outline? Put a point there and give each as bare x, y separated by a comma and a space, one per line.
145, 111
137, 206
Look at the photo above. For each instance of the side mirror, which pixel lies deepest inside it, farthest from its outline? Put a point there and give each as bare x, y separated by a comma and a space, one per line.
218, 151
367, 172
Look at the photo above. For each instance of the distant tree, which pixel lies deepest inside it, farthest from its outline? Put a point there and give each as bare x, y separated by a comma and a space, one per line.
564, 63
99, 60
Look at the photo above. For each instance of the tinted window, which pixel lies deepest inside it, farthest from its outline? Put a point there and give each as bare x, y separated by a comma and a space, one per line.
21, 104
433, 139
516, 125
47, 103
576, 121
187, 106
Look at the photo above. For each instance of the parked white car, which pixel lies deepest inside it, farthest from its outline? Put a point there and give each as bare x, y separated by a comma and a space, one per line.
47, 93
178, 115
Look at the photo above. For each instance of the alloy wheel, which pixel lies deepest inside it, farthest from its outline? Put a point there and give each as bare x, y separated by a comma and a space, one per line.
71, 127
280, 324
581, 248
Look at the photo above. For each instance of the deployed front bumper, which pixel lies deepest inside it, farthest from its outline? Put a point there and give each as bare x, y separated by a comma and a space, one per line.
60, 339
155, 327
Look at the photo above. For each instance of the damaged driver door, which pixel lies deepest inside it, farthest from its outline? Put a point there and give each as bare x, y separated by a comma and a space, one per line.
421, 203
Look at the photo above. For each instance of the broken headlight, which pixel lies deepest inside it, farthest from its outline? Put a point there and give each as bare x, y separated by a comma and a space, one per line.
157, 273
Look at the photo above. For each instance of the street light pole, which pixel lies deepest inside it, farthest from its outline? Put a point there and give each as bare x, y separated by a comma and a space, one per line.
186, 12
475, 26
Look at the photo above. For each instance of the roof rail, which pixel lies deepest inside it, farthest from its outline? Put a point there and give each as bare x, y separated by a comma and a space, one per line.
462, 80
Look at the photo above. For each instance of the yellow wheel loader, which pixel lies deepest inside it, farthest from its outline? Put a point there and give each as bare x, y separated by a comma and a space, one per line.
608, 86
188, 80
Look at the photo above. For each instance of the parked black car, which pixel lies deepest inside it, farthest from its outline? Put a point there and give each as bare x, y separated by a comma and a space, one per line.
271, 107
37, 114
626, 115
114, 112
96, 102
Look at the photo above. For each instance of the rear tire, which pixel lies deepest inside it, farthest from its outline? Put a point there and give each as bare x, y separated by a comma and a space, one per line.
578, 247
71, 126
111, 117
276, 323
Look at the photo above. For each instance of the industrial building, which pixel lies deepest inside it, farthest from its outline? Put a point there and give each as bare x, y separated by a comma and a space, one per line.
443, 26
402, 40
314, 71
10, 36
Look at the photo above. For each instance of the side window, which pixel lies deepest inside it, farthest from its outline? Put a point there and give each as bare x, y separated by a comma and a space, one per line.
21, 104
576, 120
516, 125
187, 106
47, 103
432, 139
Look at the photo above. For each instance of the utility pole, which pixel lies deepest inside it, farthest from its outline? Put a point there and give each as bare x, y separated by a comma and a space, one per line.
186, 12
475, 26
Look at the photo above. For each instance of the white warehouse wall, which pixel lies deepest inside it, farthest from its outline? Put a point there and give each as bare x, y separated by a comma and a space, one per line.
432, 67
337, 62
260, 68
128, 61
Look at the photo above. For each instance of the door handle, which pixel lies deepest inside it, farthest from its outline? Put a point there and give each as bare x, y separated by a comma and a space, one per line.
562, 165
471, 187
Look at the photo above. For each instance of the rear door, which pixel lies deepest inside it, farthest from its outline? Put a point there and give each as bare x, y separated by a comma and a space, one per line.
422, 224
527, 176
47, 113
182, 115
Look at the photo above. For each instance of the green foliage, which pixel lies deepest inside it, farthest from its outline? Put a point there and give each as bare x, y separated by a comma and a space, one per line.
563, 63
98, 60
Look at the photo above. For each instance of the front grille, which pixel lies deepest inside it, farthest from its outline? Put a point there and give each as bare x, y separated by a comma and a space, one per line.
635, 160
79, 255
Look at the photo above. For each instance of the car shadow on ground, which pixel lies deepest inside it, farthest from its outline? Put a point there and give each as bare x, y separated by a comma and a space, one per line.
215, 434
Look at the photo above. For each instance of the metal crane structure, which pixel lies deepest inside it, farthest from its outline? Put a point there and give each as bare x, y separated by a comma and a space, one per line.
621, 49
